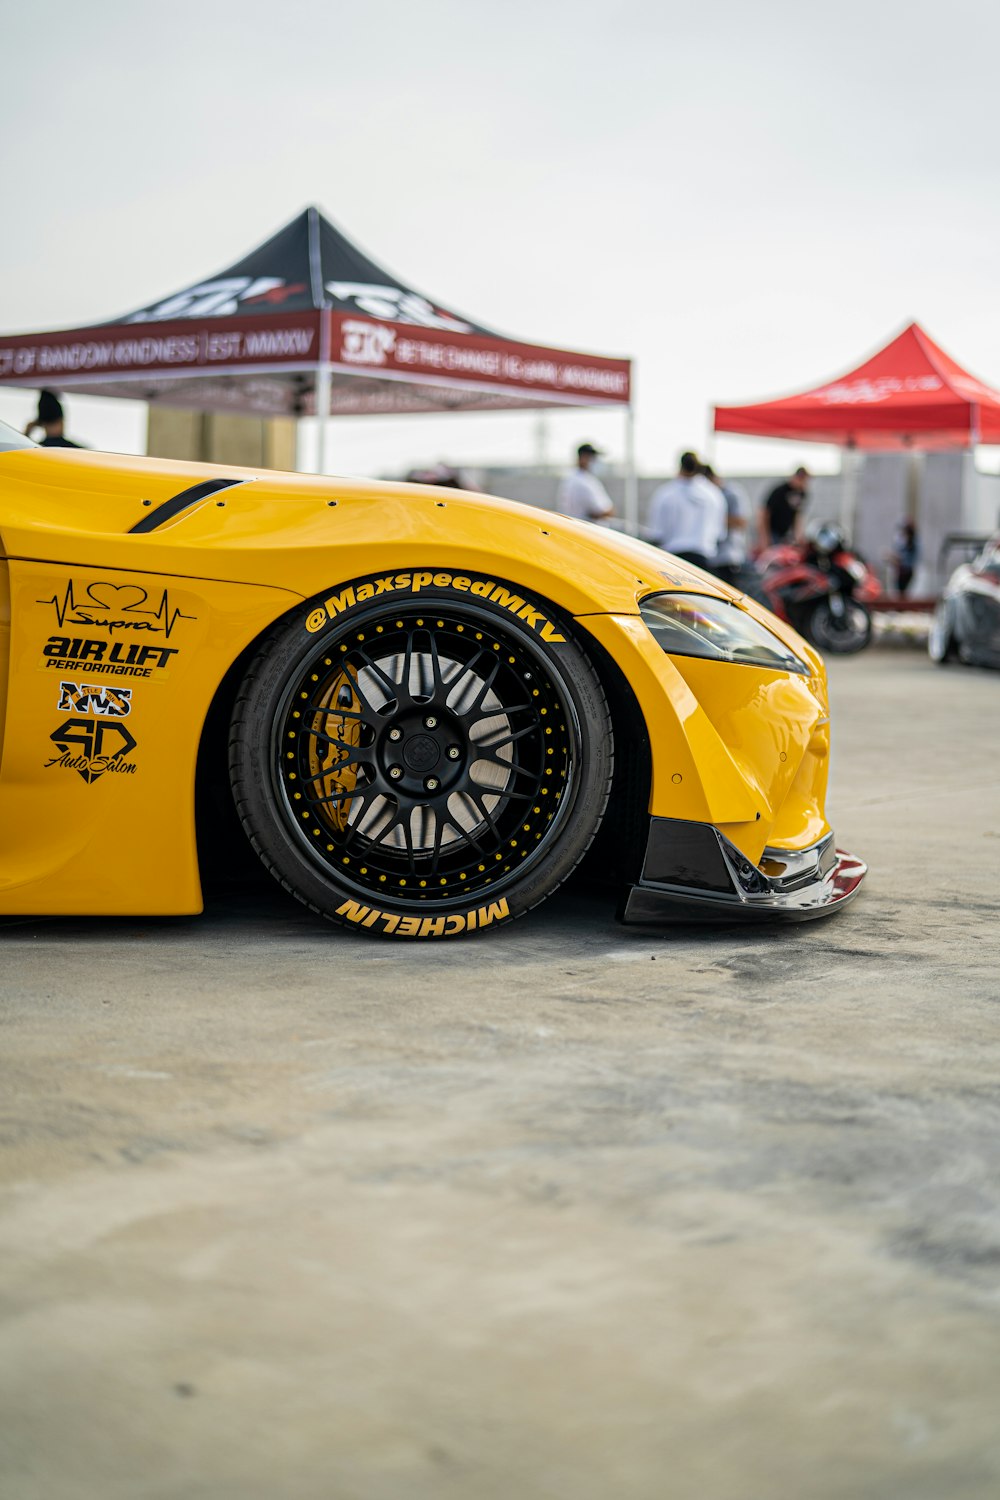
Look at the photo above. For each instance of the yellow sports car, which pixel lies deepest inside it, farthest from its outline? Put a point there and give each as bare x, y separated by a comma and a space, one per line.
426, 706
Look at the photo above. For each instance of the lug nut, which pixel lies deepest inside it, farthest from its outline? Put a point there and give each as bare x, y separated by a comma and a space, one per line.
395, 772
430, 722
395, 734
453, 752
431, 784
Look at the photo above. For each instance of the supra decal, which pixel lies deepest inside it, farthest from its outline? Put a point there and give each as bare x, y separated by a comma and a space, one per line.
104, 658
86, 698
454, 922
103, 602
414, 583
92, 757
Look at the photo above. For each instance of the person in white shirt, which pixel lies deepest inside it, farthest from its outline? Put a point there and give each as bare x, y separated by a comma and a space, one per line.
581, 493
731, 559
687, 515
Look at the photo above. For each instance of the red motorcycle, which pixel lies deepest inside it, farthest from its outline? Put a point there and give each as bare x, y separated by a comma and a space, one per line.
822, 588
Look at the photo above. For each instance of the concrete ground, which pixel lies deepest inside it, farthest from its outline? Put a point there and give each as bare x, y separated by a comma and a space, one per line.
567, 1211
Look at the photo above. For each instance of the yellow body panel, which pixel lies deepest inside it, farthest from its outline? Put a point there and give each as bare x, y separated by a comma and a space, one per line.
96, 612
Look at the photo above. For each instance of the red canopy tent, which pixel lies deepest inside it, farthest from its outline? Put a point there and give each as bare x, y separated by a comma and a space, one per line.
908, 395
308, 325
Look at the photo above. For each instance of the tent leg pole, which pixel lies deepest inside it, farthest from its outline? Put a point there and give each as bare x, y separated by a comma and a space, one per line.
631, 477
323, 387
850, 467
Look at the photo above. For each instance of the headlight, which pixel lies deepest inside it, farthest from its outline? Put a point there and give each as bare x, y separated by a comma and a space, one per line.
696, 625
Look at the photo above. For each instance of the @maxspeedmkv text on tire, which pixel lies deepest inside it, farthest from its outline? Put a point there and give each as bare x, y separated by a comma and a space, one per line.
421, 769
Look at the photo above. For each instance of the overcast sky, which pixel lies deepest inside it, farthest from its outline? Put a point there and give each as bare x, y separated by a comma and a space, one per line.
745, 198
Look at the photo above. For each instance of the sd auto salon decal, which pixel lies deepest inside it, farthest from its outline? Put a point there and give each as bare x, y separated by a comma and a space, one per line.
94, 748
413, 584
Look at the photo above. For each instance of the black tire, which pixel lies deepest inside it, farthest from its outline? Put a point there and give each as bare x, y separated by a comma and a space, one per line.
840, 635
942, 642
423, 766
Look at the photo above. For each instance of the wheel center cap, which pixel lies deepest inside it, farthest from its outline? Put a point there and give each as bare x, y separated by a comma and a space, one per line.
421, 753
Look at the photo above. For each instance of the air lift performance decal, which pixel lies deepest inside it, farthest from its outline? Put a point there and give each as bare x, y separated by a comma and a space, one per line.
421, 927
413, 583
104, 658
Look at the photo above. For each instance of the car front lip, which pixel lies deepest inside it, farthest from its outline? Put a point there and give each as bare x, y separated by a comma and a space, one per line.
691, 873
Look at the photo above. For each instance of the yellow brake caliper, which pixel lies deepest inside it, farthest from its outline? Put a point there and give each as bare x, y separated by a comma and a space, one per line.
326, 761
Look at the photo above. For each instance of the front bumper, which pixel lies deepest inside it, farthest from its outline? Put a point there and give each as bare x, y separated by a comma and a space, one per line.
692, 873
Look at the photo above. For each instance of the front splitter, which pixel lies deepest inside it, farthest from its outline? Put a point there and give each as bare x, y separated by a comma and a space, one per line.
692, 873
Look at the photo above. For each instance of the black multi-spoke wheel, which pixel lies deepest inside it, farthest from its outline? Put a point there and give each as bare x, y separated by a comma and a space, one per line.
421, 769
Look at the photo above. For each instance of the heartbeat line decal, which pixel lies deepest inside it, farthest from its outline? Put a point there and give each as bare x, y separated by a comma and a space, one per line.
116, 606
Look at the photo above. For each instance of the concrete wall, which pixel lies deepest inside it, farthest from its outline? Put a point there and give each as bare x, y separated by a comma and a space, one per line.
221, 438
943, 492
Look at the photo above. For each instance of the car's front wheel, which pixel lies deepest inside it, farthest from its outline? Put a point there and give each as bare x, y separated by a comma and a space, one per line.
421, 768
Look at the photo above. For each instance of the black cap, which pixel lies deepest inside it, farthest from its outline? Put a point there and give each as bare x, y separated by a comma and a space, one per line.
49, 407
587, 450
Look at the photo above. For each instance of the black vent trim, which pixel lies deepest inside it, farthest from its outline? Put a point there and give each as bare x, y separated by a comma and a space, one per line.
183, 501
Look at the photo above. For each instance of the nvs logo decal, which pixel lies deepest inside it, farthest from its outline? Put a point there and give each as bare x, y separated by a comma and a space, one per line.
85, 698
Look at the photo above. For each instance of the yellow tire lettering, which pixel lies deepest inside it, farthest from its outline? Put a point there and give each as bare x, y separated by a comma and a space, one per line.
506, 601
338, 603
495, 912
352, 911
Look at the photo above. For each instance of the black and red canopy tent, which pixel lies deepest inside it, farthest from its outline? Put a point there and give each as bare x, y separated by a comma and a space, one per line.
304, 325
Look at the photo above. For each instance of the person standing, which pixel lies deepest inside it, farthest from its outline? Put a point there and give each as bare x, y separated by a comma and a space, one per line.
581, 493
687, 515
50, 419
731, 558
781, 514
905, 555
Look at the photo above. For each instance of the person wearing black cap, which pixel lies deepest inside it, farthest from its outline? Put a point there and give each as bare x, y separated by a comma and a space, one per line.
581, 493
50, 418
